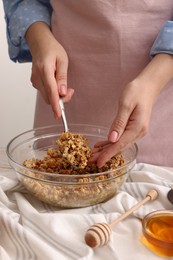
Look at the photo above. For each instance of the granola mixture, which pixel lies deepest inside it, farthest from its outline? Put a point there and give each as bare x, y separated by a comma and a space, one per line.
73, 191
54, 162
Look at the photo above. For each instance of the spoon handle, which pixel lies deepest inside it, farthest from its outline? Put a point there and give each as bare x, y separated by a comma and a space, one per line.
66, 129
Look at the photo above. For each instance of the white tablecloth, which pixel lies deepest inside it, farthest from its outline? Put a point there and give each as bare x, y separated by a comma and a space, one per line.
33, 230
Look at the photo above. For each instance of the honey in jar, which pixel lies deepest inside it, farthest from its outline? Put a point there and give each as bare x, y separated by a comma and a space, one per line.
158, 232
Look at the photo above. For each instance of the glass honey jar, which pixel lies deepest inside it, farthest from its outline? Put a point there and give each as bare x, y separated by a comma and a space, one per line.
157, 229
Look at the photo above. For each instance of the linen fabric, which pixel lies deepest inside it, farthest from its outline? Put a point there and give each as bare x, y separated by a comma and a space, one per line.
31, 229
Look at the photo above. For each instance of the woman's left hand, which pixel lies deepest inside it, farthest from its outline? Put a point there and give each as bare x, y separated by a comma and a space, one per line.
135, 106
130, 124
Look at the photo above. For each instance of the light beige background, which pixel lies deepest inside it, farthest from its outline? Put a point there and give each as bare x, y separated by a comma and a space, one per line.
17, 96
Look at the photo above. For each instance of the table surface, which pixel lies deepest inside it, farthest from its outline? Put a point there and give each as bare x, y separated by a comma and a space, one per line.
31, 229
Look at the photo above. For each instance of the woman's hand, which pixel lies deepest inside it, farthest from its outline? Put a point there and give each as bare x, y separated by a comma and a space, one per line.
49, 66
130, 124
135, 106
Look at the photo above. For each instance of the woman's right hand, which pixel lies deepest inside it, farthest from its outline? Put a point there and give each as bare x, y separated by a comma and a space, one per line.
49, 66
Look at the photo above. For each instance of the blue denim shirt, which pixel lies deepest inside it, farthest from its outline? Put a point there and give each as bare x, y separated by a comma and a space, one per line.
164, 40
19, 15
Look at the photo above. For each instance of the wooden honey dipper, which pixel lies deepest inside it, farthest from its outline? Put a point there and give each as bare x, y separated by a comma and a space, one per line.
99, 234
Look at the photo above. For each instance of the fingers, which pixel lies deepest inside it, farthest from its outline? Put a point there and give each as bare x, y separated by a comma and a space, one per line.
103, 154
50, 78
136, 128
99, 151
101, 144
51, 88
118, 138
70, 92
61, 77
119, 124
39, 85
104, 151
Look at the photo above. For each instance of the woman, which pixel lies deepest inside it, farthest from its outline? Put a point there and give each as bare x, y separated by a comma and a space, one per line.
102, 51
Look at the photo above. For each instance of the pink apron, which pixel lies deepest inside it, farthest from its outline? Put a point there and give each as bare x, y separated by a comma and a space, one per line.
108, 44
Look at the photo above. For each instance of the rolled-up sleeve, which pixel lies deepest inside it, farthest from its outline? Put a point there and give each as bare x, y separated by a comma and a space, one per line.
19, 15
164, 40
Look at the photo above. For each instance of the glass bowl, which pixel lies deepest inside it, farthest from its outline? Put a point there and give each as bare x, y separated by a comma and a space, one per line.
63, 190
157, 229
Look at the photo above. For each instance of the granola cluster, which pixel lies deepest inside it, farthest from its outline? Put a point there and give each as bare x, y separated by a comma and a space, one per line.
75, 148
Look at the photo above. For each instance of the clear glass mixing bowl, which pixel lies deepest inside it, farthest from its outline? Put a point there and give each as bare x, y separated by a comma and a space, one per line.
62, 190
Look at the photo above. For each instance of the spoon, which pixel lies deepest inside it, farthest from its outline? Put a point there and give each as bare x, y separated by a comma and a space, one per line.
66, 129
99, 234
76, 165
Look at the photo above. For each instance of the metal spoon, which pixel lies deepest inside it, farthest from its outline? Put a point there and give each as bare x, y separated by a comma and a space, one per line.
66, 129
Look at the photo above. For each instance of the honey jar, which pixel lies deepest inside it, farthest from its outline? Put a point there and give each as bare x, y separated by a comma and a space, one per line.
157, 229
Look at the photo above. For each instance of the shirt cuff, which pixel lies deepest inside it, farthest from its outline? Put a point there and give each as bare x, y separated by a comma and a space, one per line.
164, 40
17, 24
